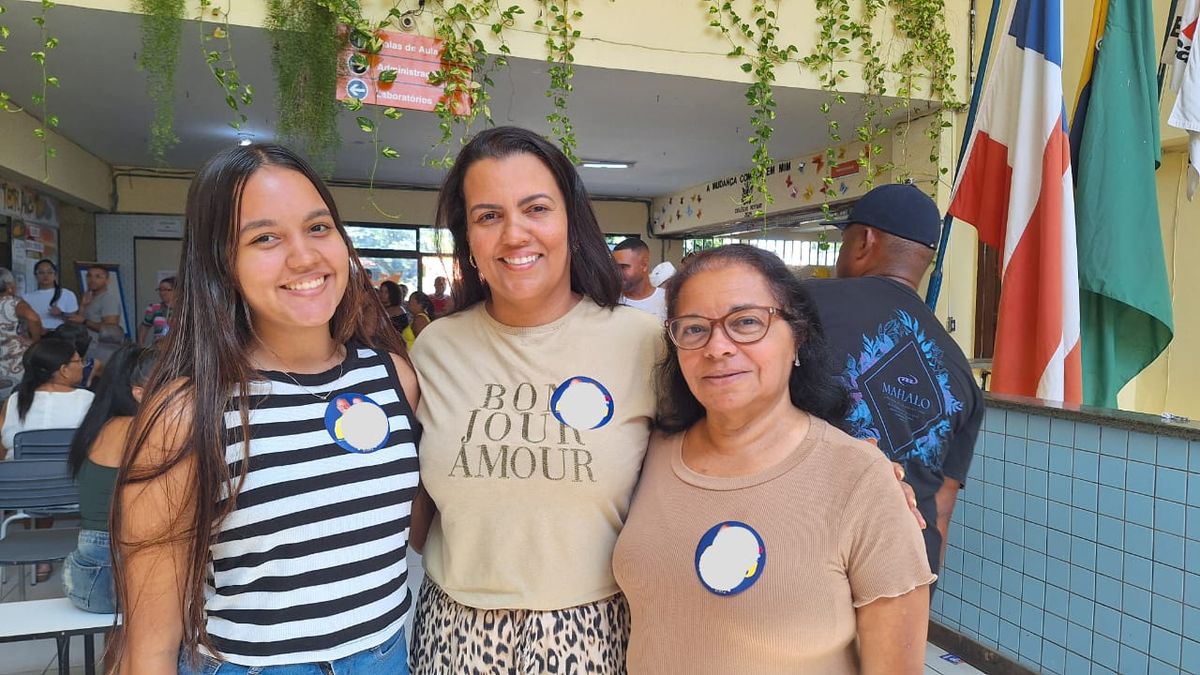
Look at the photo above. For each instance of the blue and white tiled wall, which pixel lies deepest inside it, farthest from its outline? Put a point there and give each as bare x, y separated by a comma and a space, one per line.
1075, 548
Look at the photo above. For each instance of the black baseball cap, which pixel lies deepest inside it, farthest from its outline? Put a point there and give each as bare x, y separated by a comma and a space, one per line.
898, 209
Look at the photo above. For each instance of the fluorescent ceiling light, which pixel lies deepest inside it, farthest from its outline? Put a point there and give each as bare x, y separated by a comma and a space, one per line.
245, 139
605, 164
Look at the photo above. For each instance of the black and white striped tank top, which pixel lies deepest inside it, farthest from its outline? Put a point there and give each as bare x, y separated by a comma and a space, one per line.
310, 565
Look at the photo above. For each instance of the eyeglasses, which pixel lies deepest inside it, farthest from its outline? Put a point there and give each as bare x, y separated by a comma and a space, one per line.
744, 326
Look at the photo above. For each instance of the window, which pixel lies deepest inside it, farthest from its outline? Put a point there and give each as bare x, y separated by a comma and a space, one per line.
613, 239
796, 253
406, 254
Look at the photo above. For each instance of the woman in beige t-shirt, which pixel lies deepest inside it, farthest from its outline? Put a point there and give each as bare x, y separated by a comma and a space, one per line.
761, 538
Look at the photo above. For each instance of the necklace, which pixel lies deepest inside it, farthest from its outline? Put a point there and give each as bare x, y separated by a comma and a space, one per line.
310, 392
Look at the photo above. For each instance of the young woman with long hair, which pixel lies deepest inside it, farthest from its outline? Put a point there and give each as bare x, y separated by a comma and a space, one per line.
96, 451
261, 520
50, 300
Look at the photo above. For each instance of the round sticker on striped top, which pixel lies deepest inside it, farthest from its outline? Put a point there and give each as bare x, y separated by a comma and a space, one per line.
582, 403
357, 423
730, 558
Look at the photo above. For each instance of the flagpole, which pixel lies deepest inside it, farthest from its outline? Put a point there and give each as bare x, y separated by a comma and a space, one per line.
935, 279
1162, 67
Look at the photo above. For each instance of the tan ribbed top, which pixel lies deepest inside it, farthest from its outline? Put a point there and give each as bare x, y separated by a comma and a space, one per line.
836, 535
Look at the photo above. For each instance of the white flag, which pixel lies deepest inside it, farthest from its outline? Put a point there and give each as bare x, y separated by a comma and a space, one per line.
1185, 79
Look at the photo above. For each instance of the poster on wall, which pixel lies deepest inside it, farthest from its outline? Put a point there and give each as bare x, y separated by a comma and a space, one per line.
34, 232
114, 286
31, 243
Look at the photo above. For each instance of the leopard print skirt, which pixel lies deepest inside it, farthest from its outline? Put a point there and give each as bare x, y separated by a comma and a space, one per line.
453, 639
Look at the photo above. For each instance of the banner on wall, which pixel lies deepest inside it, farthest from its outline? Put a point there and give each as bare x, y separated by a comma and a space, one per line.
797, 183
29, 205
397, 75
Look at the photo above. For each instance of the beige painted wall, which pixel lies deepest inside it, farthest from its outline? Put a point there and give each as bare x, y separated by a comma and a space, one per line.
655, 36
75, 175
412, 207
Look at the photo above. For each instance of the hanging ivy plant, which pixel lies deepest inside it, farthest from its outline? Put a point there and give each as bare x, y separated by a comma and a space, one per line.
6, 103
466, 69
557, 20
304, 56
753, 36
217, 48
162, 28
929, 55
48, 121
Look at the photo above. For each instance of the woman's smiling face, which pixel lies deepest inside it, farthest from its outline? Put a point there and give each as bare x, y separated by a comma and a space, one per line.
517, 231
292, 263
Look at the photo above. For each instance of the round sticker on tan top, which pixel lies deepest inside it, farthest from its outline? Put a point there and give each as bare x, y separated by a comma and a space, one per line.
582, 403
357, 423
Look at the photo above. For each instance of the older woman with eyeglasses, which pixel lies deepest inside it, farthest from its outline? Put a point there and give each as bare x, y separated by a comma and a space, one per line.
762, 539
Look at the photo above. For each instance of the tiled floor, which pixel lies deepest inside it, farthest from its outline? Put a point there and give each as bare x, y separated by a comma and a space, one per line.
38, 657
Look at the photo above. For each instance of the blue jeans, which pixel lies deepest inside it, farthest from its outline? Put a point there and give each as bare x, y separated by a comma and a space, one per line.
389, 658
88, 576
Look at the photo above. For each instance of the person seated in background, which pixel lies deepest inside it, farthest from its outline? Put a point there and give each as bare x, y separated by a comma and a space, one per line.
47, 397
420, 306
96, 452
754, 473
156, 318
13, 311
50, 300
393, 296
82, 339
443, 303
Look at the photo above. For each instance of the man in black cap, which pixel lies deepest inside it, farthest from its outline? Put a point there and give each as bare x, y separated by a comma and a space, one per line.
912, 391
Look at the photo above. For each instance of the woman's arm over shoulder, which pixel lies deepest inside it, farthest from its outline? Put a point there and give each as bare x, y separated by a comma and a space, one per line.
157, 497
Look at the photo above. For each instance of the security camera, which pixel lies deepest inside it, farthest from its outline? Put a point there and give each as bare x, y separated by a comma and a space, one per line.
408, 22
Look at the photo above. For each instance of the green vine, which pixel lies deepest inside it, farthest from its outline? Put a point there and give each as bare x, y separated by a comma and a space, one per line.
758, 29
6, 104
304, 56
465, 73
221, 64
162, 27
927, 56
873, 127
556, 18
929, 53
49, 121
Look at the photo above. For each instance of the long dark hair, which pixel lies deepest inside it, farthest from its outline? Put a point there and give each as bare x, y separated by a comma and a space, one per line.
207, 360
57, 285
128, 367
593, 272
42, 360
424, 301
393, 292
813, 385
